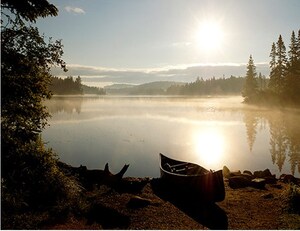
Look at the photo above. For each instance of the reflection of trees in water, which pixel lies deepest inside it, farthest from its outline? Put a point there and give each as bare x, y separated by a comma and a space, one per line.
284, 128
278, 140
251, 121
64, 104
293, 132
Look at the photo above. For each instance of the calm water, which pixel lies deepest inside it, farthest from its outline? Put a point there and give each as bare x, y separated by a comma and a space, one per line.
211, 131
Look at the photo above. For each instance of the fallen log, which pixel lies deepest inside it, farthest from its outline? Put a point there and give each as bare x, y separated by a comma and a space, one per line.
91, 177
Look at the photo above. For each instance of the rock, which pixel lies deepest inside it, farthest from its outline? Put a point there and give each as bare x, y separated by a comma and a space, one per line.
235, 173
248, 176
247, 172
267, 173
226, 171
258, 183
262, 174
271, 179
238, 182
138, 202
287, 178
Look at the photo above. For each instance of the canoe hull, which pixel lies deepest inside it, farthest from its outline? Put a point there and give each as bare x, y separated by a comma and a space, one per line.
195, 181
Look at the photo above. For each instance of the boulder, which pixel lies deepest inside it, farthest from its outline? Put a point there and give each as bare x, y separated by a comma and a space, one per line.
248, 176
235, 173
258, 183
226, 171
247, 172
262, 174
287, 178
271, 179
239, 182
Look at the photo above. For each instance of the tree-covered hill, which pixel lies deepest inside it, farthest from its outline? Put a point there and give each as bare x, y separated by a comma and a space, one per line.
69, 86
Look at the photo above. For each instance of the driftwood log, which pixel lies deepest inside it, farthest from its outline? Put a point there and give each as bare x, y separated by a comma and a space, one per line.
89, 178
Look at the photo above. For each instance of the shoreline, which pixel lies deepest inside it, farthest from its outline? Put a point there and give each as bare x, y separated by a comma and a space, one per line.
151, 208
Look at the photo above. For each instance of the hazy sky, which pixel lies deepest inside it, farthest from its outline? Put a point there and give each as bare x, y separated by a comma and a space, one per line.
136, 41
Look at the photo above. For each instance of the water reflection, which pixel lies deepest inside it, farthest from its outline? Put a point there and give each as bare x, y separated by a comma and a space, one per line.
209, 131
209, 146
64, 104
251, 121
284, 130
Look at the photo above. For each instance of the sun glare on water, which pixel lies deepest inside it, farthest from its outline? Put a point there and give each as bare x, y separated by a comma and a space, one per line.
209, 146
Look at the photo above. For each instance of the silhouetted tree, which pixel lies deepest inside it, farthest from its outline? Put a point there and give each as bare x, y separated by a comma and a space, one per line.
30, 176
293, 50
29, 10
273, 80
262, 82
78, 85
292, 86
250, 87
278, 66
281, 65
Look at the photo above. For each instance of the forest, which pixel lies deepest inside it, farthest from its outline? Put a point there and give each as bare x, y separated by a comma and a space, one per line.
212, 86
69, 86
284, 82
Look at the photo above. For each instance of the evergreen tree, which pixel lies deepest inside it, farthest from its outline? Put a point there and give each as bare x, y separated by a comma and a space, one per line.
272, 83
78, 85
298, 46
293, 50
250, 87
281, 66
292, 86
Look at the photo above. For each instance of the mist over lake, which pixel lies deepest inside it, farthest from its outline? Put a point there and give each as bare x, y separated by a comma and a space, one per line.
210, 131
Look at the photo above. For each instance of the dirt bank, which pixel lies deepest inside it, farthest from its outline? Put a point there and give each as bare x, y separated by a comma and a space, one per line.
245, 208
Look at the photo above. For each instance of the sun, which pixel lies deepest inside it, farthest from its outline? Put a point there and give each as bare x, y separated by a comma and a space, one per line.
209, 36
209, 146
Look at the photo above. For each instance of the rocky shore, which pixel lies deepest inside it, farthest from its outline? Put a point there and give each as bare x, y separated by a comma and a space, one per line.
260, 205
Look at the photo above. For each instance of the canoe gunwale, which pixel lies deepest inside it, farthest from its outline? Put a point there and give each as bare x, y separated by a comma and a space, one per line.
209, 184
162, 156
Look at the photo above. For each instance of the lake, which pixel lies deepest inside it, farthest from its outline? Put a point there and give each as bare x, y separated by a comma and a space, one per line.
210, 131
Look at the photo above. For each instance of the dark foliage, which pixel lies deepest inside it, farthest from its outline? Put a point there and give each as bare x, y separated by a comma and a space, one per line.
250, 87
69, 86
30, 178
93, 90
66, 86
30, 10
284, 85
213, 86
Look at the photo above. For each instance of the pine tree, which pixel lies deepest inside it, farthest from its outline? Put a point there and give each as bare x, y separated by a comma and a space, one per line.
298, 46
250, 87
278, 67
272, 83
78, 85
293, 50
292, 86
281, 65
